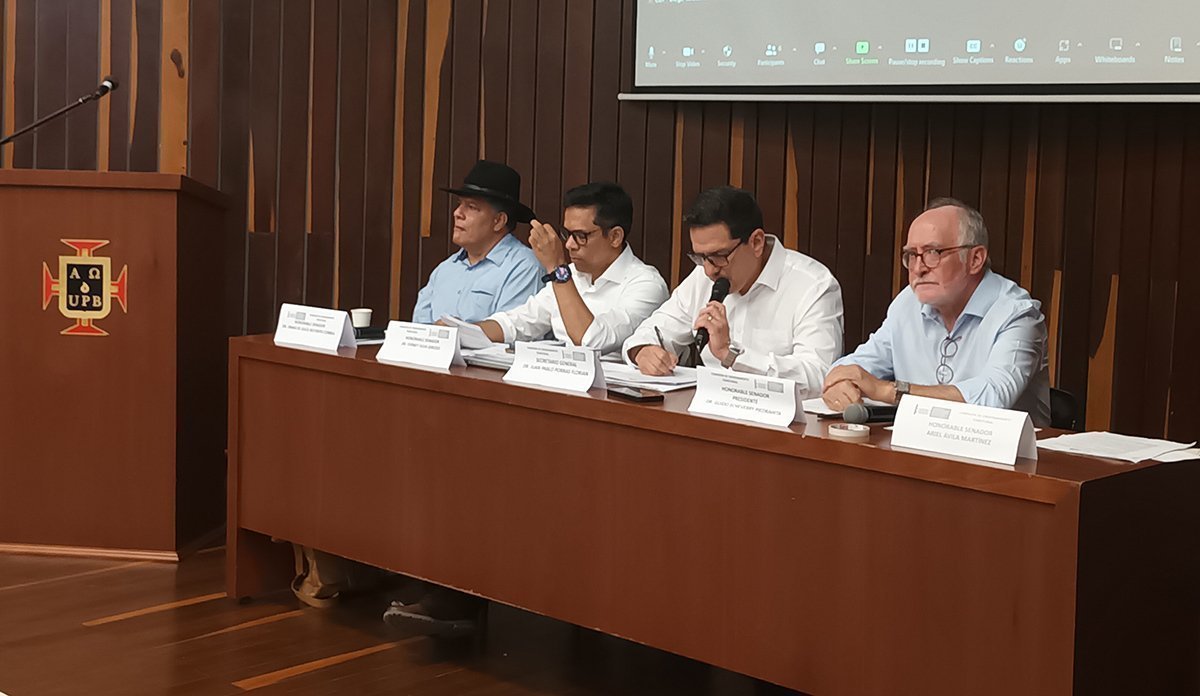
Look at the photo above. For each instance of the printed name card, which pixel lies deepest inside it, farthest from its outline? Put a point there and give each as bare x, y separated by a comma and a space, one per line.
314, 328
572, 369
754, 398
421, 345
964, 430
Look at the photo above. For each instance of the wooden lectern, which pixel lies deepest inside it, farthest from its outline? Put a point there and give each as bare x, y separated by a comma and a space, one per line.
112, 363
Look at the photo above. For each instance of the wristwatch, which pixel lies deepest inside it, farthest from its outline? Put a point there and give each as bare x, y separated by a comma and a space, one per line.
902, 388
560, 274
731, 356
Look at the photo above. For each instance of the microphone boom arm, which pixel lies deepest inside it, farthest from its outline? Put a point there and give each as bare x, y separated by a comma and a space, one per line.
106, 86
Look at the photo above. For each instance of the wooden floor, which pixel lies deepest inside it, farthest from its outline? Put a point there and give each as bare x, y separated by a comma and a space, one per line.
72, 626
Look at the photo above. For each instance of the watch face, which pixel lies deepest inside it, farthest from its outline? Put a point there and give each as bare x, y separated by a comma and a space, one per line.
562, 274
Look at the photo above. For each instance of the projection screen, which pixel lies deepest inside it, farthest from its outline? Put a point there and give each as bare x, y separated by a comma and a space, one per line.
929, 46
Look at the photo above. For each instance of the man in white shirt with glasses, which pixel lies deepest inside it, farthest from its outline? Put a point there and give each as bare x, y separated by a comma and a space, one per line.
783, 314
958, 331
597, 291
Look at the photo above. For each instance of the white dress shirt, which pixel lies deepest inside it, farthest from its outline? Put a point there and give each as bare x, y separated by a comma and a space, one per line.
620, 299
789, 324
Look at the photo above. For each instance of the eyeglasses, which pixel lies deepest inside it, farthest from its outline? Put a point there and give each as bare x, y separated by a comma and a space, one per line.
930, 257
581, 238
945, 373
719, 259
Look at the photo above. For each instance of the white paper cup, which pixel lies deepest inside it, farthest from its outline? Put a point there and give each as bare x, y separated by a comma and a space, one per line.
360, 318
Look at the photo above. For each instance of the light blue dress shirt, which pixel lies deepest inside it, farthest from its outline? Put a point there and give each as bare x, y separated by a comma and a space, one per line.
1000, 353
508, 276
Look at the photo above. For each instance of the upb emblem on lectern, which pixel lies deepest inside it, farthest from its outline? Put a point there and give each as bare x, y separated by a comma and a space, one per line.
84, 287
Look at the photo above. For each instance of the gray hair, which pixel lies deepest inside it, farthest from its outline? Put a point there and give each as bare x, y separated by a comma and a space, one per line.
971, 229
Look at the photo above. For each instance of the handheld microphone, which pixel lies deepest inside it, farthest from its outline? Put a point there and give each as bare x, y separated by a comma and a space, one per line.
861, 413
719, 291
108, 84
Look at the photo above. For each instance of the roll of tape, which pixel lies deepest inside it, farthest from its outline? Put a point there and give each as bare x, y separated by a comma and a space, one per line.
849, 431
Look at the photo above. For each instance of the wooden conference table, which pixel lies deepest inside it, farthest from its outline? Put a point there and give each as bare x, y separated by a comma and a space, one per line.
833, 568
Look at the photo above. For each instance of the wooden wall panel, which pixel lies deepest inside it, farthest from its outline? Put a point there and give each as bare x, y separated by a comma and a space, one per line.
882, 226
320, 256
414, 71
120, 32
351, 152
380, 131
24, 73
576, 109
493, 83
292, 202
83, 68
233, 174
147, 42
852, 217
204, 128
51, 72
1184, 397
332, 125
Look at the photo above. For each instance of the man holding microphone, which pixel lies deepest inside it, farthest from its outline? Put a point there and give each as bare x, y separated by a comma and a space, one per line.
783, 313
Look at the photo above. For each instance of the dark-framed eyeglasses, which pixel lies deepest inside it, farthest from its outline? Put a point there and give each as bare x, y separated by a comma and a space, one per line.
718, 259
949, 348
581, 238
930, 257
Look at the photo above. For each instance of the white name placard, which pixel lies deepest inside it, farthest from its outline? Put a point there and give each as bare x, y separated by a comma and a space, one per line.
964, 430
754, 398
314, 328
422, 345
572, 369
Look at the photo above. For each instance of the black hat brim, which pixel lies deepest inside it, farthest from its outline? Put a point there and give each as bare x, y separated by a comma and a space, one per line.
519, 211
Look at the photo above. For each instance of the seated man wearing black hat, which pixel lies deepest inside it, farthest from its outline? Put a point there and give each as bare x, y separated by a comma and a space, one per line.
492, 271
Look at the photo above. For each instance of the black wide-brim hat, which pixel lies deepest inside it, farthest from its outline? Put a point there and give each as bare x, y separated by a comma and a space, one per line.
498, 183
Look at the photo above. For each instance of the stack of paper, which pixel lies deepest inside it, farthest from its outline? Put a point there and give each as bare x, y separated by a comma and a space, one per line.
1113, 446
470, 336
624, 375
496, 356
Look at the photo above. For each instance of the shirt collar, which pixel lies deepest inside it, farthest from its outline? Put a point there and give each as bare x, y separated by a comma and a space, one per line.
616, 271
772, 272
503, 249
981, 301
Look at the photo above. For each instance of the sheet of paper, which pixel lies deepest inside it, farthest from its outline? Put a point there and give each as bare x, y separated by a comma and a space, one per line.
469, 335
1113, 445
817, 405
631, 376
1179, 455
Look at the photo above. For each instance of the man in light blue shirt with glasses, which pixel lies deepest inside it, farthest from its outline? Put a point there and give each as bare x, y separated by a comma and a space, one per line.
958, 331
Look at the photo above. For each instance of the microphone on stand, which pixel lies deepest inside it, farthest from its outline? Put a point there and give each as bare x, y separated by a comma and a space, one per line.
719, 291
108, 84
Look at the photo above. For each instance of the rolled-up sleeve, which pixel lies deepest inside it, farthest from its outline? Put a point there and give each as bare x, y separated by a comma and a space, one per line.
530, 321
673, 319
1017, 355
638, 299
816, 342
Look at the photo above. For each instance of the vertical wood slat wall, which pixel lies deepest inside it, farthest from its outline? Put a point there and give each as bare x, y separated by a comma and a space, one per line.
333, 123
